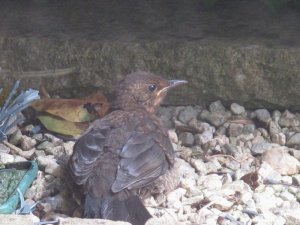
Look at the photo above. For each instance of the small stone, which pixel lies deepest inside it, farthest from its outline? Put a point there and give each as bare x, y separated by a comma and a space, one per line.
237, 109
187, 114
174, 198
263, 115
4, 149
28, 154
235, 129
260, 148
217, 106
185, 153
200, 126
186, 138
199, 165
276, 114
205, 137
28, 128
18, 158
53, 139
6, 158
264, 132
172, 135
44, 145
221, 203
16, 137
38, 137
27, 143
68, 146
274, 128
230, 149
278, 157
268, 174
248, 129
288, 119
216, 118
40, 153
187, 176
54, 169
279, 138
294, 140
287, 196
43, 161
56, 151
296, 179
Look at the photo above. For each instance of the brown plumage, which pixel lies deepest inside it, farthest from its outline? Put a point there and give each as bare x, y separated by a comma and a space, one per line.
122, 157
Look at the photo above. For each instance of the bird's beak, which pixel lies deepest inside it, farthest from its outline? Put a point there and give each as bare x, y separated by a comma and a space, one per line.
175, 83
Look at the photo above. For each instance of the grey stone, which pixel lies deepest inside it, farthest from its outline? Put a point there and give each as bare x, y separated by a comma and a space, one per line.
278, 157
44, 145
199, 165
186, 138
174, 198
230, 149
200, 126
216, 106
4, 148
68, 147
201, 139
6, 158
279, 138
260, 148
276, 114
263, 115
216, 118
288, 119
53, 139
16, 137
38, 137
294, 140
28, 128
237, 109
269, 174
235, 129
296, 179
27, 143
173, 136
27, 154
187, 114
57, 151
248, 129
274, 127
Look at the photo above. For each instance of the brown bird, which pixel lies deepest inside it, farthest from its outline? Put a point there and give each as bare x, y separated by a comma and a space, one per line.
122, 157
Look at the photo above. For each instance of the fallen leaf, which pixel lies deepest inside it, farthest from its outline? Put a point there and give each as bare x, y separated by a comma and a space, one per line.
251, 179
63, 127
74, 110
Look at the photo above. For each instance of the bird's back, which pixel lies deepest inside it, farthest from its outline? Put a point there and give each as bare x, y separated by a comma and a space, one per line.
121, 154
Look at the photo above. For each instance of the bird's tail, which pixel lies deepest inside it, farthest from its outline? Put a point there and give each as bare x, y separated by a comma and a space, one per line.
131, 209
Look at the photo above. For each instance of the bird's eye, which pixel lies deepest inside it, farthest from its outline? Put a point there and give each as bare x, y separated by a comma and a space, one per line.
152, 87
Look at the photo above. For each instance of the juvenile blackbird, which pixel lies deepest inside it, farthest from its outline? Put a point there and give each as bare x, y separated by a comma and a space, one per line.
122, 157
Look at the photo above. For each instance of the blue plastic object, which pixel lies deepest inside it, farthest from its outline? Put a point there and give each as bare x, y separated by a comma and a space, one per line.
12, 202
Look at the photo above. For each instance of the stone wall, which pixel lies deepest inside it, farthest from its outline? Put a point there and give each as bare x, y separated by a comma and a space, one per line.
237, 51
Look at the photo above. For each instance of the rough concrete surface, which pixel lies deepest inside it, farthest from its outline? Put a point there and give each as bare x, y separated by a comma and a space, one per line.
237, 52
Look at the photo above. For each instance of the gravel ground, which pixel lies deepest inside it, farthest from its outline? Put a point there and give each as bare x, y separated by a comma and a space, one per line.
236, 167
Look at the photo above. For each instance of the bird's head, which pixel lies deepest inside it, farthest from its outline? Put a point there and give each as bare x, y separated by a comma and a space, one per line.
143, 90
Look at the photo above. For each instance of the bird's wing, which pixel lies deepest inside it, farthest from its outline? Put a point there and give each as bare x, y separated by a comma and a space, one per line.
87, 150
144, 157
